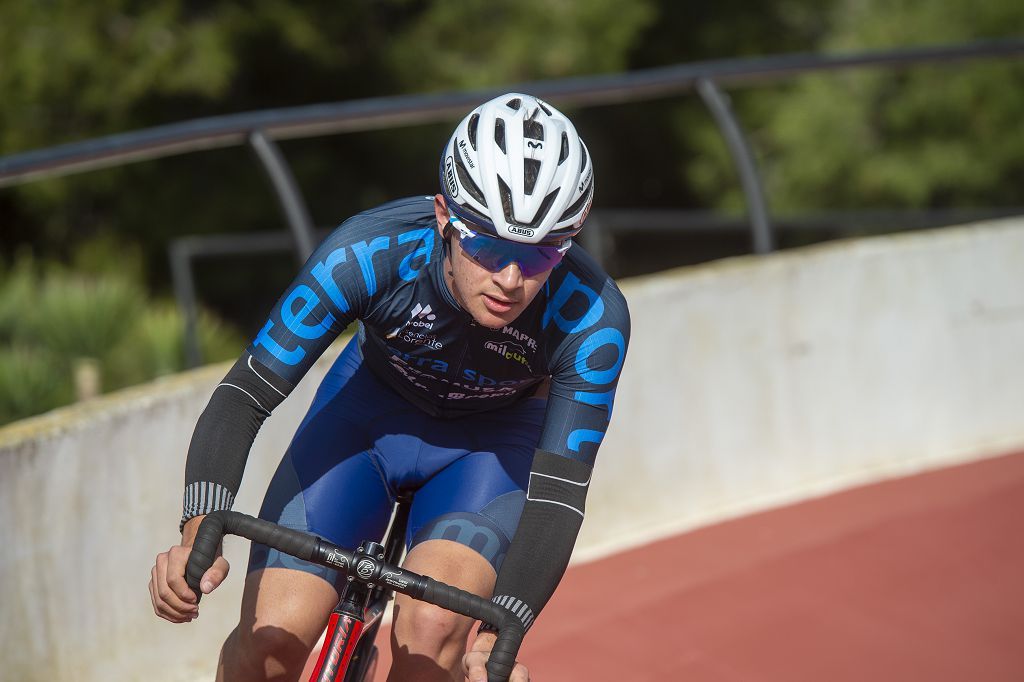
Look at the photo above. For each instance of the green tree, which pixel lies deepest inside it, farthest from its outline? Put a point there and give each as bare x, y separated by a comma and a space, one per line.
939, 135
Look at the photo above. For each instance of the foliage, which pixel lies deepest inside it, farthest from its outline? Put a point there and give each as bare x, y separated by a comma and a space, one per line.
51, 317
31, 381
930, 136
481, 43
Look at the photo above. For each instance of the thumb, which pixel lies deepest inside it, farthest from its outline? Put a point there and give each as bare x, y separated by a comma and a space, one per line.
215, 575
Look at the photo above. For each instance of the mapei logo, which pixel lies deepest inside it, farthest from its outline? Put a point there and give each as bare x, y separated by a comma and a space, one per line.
520, 336
449, 176
525, 231
420, 316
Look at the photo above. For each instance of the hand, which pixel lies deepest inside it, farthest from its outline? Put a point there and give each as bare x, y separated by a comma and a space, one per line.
172, 598
473, 662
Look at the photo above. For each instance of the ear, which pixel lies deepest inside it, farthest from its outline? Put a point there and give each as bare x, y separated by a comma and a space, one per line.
441, 214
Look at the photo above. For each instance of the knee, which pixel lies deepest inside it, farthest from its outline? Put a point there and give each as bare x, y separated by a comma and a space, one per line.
428, 629
270, 649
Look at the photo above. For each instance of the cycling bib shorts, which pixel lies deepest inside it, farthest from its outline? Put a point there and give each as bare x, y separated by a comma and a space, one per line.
362, 444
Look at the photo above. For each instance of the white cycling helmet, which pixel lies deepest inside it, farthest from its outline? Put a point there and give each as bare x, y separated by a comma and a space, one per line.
516, 168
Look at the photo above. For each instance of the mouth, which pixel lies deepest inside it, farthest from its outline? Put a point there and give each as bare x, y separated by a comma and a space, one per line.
497, 305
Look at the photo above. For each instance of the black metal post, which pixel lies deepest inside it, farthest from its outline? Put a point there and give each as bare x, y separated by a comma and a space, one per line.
288, 194
718, 103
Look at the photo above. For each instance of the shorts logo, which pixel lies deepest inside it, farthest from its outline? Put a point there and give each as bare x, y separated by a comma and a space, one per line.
449, 176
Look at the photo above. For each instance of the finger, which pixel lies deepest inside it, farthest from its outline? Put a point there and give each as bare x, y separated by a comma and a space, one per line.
171, 602
215, 575
159, 607
519, 674
177, 560
473, 666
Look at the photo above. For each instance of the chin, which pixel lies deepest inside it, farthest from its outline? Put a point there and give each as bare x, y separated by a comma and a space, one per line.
485, 318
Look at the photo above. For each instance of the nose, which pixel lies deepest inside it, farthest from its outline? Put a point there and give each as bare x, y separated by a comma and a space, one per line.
509, 278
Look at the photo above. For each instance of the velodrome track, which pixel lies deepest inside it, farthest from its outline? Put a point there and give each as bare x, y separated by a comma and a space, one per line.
917, 578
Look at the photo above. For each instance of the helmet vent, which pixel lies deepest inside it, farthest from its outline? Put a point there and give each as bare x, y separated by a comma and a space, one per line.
467, 182
532, 170
583, 158
473, 122
565, 149
506, 200
533, 130
546, 110
578, 205
514, 104
499, 135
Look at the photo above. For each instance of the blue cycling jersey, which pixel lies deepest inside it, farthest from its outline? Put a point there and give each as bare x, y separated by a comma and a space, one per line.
384, 268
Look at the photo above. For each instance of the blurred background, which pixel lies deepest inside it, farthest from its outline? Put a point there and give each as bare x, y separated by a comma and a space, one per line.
85, 277
824, 267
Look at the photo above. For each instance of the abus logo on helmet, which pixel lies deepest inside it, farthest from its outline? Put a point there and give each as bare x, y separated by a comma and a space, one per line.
449, 176
525, 231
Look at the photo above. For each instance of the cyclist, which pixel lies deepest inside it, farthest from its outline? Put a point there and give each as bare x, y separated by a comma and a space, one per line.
481, 377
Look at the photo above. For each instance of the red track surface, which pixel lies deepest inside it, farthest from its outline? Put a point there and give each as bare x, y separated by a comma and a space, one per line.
920, 578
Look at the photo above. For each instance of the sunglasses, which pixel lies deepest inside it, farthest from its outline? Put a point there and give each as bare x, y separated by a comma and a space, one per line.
495, 254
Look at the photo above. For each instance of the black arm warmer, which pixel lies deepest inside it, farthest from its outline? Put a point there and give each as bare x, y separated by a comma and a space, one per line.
225, 433
547, 532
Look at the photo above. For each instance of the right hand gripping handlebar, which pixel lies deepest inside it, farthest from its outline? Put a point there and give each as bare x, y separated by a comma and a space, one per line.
313, 549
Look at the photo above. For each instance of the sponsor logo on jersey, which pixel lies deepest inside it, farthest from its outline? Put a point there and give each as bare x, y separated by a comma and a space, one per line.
449, 176
520, 337
419, 317
509, 351
419, 339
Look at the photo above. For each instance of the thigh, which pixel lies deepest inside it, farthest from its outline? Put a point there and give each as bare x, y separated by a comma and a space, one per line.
283, 614
291, 607
345, 503
330, 482
476, 500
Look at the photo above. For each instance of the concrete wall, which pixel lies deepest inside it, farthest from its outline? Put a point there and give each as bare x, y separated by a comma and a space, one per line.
749, 382
755, 382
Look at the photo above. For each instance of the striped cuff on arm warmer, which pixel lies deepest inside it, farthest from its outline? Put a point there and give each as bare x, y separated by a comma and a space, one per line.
203, 497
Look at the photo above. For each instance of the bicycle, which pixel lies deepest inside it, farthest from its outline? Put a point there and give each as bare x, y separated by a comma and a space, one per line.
348, 653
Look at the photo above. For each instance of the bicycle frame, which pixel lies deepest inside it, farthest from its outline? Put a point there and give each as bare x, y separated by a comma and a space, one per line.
348, 652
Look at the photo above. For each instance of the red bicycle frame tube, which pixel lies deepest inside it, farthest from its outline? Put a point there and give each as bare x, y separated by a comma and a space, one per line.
343, 634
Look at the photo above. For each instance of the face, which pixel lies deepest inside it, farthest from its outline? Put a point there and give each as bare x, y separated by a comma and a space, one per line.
494, 299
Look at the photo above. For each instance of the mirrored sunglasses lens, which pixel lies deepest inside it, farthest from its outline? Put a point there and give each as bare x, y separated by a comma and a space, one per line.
496, 254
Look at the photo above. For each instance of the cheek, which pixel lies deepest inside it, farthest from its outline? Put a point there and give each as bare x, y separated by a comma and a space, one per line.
469, 274
533, 287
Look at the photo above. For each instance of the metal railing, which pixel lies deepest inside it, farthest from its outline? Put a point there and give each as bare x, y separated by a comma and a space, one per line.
260, 129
